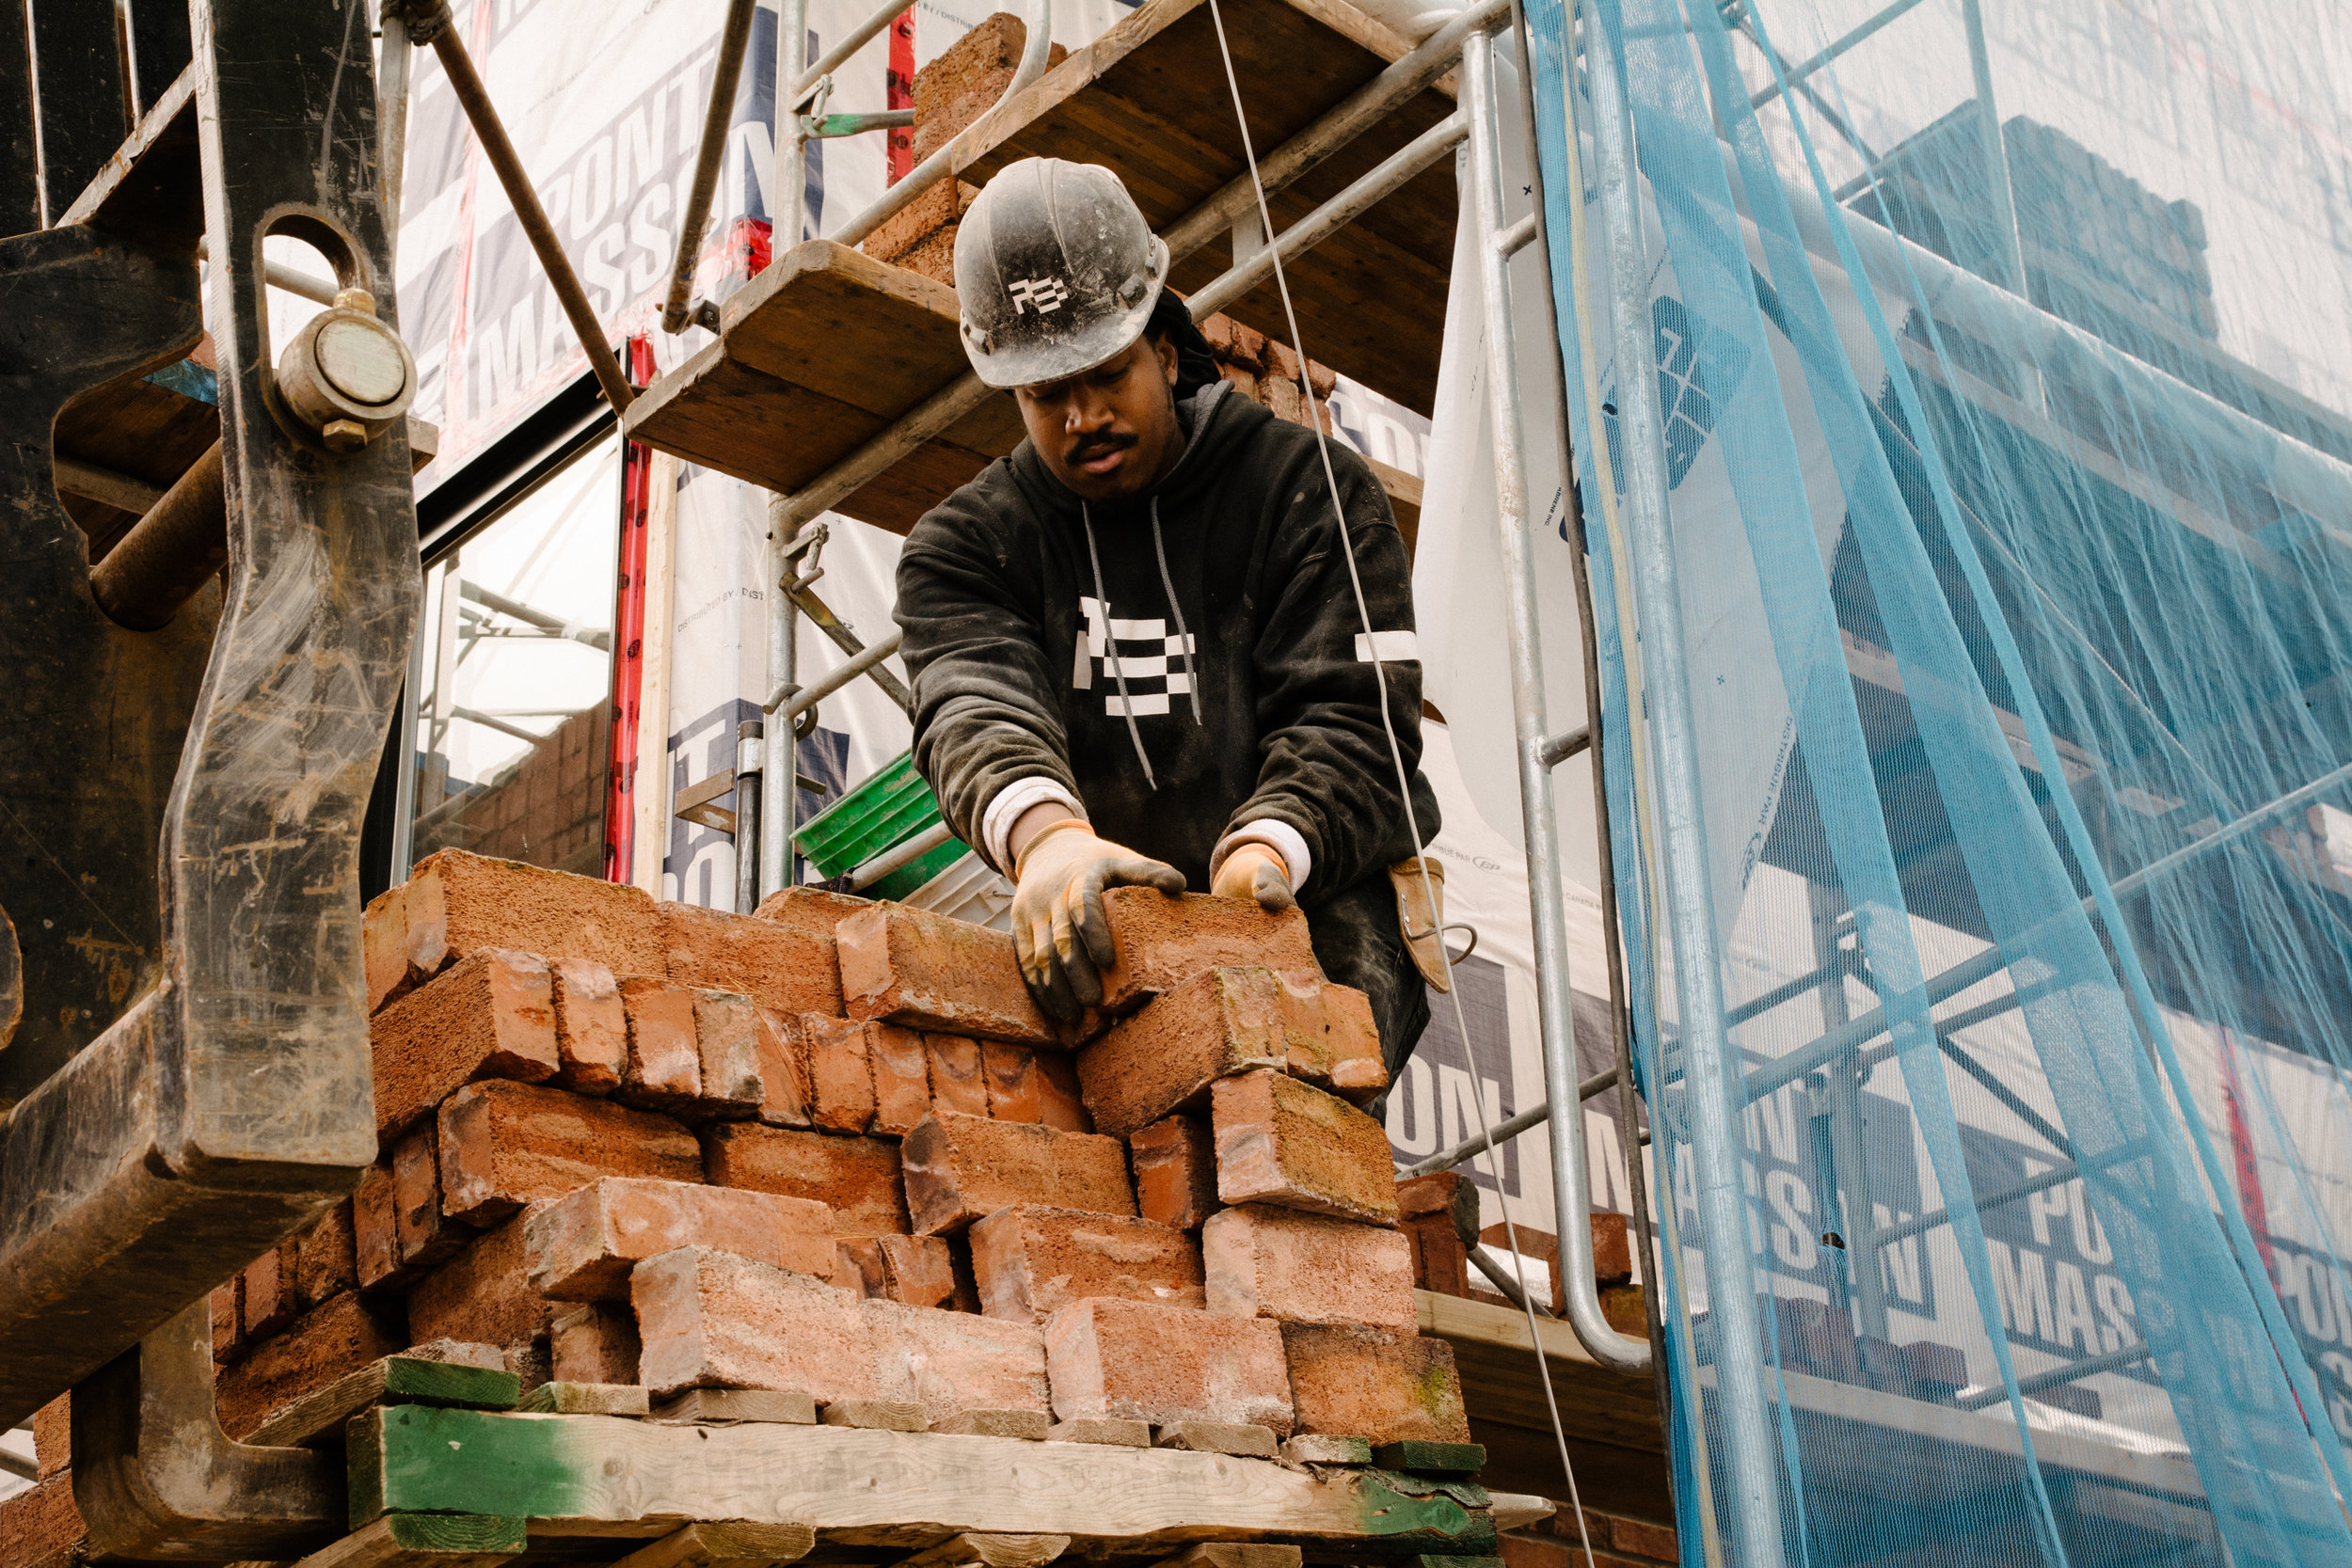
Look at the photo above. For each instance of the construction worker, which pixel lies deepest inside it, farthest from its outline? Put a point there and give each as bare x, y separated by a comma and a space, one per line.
1137, 657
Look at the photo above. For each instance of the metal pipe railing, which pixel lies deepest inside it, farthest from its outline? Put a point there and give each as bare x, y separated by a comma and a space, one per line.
1547, 906
1688, 905
905, 854
796, 702
1504, 1130
735, 38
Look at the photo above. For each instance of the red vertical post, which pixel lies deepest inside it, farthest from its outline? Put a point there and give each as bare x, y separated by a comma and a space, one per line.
628, 638
900, 82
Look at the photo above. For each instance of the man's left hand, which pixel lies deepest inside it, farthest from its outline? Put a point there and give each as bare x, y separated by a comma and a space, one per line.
1255, 871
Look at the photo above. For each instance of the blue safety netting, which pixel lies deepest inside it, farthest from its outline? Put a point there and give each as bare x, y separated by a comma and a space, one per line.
2005, 388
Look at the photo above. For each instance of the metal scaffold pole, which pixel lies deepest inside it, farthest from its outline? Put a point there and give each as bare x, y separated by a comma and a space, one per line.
1715, 1147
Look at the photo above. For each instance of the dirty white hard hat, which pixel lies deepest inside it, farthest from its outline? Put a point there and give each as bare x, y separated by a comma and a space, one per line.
1056, 272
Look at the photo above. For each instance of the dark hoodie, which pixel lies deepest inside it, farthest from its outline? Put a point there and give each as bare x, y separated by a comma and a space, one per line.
1282, 720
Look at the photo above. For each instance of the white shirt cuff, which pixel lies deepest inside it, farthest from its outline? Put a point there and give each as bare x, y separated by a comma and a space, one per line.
1278, 836
1003, 812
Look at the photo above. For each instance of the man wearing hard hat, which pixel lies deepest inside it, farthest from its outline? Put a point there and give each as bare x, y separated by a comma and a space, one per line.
1137, 657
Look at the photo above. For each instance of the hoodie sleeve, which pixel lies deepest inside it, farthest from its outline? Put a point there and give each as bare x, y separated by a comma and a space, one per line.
987, 711
1324, 767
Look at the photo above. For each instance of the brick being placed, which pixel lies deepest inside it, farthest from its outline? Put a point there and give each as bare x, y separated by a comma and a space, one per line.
1139, 1361
1282, 1141
858, 1178
583, 1246
492, 1015
787, 966
1384, 1385
1220, 1021
936, 974
915, 1271
962, 1168
455, 904
709, 1319
1164, 942
1262, 1261
1031, 1260
503, 1145
1175, 1171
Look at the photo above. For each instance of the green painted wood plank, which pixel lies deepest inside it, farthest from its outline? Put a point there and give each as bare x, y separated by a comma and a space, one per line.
409, 1380
1445, 1459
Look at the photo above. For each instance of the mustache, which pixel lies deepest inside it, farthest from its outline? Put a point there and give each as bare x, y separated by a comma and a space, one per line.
1098, 446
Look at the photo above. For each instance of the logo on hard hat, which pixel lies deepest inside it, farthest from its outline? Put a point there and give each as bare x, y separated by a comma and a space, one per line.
1045, 295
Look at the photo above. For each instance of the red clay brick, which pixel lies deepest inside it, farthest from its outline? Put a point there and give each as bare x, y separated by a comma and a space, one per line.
427, 1236
1640, 1538
918, 1271
857, 1177
959, 1168
268, 1294
52, 1437
1334, 1041
506, 1145
1541, 1246
1283, 1142
1061, 1106
384, 946
1012, 1083
709, 1319
992, 45
1430, 1194
1374, 1382
1218, 1022
375, 1228
1175, 1166
482, 1295
460, 903
40, 1526
783, 965
326, 1258
1031, 1260
1440, 1261
836, 1078
1267, 1262
594, 1344
591, 1027
726, 1038
781, 1102
959, 1080
940, 205
491, 1016
665, 1068
903, 1080
1137, 1361
1164, 942
934, 972
1613, 1248
581, 1247
340, 1335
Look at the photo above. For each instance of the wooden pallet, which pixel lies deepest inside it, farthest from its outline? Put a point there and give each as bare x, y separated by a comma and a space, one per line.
821, 352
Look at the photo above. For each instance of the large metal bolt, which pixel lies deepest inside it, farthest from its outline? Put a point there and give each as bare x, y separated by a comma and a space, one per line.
347, 376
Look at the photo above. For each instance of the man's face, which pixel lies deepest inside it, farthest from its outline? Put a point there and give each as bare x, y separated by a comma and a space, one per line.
1111, 432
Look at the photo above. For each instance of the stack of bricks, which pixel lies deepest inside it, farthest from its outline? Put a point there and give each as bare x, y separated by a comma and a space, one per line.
1617, 1540
950, 93
834, 1151
1442, 1221
956, 89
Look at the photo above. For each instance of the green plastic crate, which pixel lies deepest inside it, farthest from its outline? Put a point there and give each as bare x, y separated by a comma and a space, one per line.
885, 810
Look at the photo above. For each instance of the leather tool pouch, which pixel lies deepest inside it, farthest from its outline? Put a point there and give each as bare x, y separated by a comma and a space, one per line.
1422, 926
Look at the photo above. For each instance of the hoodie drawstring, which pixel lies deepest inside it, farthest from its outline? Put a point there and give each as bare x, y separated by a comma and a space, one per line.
1168, 586
1110, 635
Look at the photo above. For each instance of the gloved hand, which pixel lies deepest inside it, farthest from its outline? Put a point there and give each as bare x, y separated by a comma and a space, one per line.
1059, 932
1255, 871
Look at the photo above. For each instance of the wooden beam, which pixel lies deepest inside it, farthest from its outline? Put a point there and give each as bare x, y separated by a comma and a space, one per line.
394, 1380
976, 1549
418, 1540
1234, 1553
578, 1475
586, 1399
739, 1543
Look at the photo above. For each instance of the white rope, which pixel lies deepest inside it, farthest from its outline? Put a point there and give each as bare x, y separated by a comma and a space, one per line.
1403, 780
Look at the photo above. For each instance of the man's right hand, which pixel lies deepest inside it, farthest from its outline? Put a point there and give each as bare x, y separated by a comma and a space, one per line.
1059, 934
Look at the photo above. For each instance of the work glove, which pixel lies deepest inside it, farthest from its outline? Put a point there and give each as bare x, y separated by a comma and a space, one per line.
1255, 871
1059, 935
